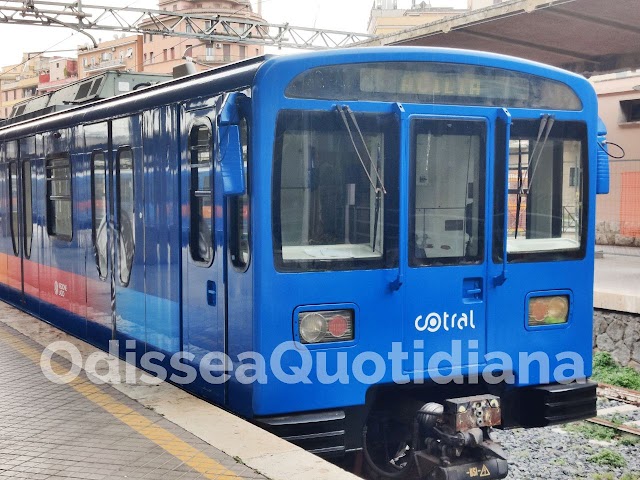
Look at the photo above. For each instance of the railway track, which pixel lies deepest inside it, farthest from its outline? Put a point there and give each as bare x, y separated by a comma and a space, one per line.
631, 400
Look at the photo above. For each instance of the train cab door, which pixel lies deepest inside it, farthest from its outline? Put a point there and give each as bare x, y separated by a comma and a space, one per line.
203, 253
445, 286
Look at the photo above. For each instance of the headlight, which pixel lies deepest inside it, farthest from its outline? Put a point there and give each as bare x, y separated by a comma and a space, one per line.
326, 326
548, 310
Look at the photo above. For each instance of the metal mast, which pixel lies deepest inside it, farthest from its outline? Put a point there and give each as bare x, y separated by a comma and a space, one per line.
214, 28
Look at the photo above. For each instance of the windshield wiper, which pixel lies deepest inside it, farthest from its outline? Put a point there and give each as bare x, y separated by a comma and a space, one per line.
377, 184
546, 124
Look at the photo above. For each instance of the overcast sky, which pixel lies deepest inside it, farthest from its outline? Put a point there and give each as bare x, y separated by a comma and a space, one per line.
346, 15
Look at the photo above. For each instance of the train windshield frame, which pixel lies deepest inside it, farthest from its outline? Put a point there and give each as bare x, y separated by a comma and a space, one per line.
335, 190
547, 191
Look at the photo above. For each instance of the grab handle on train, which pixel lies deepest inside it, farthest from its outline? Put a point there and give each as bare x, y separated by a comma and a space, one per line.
504, 117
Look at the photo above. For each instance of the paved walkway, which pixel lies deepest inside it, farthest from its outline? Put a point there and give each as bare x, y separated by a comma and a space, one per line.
617, 279
82, 430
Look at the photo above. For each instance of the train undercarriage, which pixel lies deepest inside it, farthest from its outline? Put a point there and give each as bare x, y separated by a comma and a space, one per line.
420, 434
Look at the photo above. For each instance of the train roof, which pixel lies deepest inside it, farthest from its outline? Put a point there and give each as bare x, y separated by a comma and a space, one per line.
240, 75
233, 76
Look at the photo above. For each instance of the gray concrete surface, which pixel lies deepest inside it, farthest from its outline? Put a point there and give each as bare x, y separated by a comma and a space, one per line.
617, 279
124, 430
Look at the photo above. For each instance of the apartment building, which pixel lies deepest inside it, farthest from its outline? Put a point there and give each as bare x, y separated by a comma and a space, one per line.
618, 213
387, 18
123, 53
161, 54
21, 81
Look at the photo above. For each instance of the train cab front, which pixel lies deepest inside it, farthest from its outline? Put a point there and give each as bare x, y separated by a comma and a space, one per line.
430, 257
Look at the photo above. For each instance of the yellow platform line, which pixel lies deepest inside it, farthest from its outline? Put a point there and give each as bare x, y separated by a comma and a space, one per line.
180, 449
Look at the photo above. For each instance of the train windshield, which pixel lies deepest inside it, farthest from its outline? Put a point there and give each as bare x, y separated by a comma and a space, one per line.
335, 190
546, 210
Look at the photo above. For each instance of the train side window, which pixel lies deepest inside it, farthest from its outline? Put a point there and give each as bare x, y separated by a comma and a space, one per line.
126, 212
13, 206
99, 211
201, 195
59, 205
27, 207
240, 219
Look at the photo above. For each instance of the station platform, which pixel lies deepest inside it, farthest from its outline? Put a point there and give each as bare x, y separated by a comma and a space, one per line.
617, 279
84, 430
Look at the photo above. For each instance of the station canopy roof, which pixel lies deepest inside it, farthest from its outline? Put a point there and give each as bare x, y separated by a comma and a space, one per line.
585, 36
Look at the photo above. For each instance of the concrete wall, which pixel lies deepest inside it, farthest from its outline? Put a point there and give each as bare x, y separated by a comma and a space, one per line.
619, 334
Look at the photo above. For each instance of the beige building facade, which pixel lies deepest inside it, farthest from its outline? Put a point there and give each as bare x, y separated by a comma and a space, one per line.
385, 18
123, 53
618, 213
162, 54
18, 82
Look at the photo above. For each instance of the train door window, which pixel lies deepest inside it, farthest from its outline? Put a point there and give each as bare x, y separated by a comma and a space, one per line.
201, 195
27, 207
447, 199
126, 212
13, 204
239, 210
99, 211
59, 206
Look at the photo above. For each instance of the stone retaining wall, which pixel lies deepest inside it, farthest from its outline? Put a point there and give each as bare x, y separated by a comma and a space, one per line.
619, 334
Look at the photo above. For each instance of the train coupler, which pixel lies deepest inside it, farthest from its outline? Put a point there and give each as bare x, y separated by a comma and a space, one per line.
452, 440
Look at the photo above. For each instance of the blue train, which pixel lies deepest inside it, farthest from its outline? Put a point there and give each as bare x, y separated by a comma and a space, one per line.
387, 251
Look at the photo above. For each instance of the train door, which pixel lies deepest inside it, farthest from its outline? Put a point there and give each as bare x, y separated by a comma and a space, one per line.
98, 262
125, 169
28, 190
162, 229
446, 282
15, 261
203, 253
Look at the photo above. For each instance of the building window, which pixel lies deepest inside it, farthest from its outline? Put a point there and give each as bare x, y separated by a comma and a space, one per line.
129, 52
188, 28
207, 24
126, 212
99, 211
59, 206
630, 110
243, 51
144, 58
201, 195
173, 53
150, 57
209, 51
164, 55
226, 52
